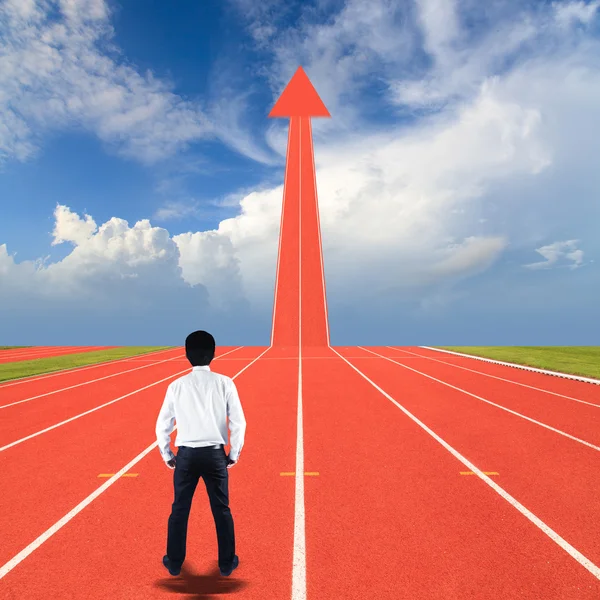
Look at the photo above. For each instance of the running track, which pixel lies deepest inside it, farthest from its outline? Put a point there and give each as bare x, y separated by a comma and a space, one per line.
17, 354
388, 516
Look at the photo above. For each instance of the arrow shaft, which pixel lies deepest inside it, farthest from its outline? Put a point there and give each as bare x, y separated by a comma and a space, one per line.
315, 328
300, 306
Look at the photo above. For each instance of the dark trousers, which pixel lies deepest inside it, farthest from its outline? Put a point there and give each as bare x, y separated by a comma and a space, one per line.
209, 464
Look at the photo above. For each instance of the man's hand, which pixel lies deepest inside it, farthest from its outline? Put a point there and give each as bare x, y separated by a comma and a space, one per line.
171, 463
230, 462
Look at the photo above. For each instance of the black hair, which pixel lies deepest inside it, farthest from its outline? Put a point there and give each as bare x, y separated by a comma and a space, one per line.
200, 348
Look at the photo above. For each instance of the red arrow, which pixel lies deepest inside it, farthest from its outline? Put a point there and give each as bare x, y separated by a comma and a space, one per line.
300, 306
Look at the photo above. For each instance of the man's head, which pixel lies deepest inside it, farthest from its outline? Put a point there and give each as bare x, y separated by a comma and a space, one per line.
200, 348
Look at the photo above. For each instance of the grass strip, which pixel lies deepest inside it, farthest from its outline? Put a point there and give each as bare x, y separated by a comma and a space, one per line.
12, 347
39, 366
573, 360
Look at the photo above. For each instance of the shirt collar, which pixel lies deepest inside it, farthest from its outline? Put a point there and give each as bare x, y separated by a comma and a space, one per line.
201, 368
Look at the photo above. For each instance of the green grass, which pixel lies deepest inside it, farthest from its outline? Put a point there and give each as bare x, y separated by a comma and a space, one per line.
574, 360
26, 368
11, 347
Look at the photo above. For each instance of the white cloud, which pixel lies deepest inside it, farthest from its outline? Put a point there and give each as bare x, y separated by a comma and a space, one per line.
60, 71
463, 64
553, 253
230, 115
440, 25
105, 256
105, 259
175, 210
260, 17
70, 227
123, 284
210, 259
84, 10
572, 12
473, 255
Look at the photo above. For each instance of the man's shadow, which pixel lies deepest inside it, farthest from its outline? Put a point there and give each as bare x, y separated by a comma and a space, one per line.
200, 587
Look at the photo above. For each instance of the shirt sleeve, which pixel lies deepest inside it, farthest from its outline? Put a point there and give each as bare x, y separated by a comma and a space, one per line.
237, 421
165, 425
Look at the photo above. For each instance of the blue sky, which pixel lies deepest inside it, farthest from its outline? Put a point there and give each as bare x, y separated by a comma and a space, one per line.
140, 179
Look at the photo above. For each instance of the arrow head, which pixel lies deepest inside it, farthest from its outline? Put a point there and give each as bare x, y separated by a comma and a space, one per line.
299, 99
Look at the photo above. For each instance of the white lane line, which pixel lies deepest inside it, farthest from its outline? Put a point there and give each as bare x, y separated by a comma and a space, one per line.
180, 359
34, 378
4, 351
233, 359
517, 366
508, 410
531, 387
57, 354
299, 554
13, 562
309, 358
578, 556
87, 412
287, 156
51, 352
29, 352
71, 387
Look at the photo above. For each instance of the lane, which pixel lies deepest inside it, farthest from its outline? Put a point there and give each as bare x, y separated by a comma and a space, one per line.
143, 360
575, 418
50, 382
50, 353
576, 389
68, 406
28, 418
53, 385
34, 350
552, 476
48, 475
23, 422
315, 328
7, 351
389, 515
118, 541
286, 302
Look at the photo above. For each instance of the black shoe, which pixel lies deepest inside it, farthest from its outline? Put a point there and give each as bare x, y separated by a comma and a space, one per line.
167, 564
236, 562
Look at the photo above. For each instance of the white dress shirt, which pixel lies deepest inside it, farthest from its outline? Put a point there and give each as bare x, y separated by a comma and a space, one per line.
201, 402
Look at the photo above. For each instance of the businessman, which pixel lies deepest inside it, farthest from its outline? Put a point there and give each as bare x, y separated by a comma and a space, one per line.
200, 403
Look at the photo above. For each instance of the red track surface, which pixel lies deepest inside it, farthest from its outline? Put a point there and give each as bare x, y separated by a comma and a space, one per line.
35, 352
388, 516
380, 508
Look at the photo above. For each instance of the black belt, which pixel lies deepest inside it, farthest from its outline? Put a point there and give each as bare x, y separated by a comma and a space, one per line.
216, 446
